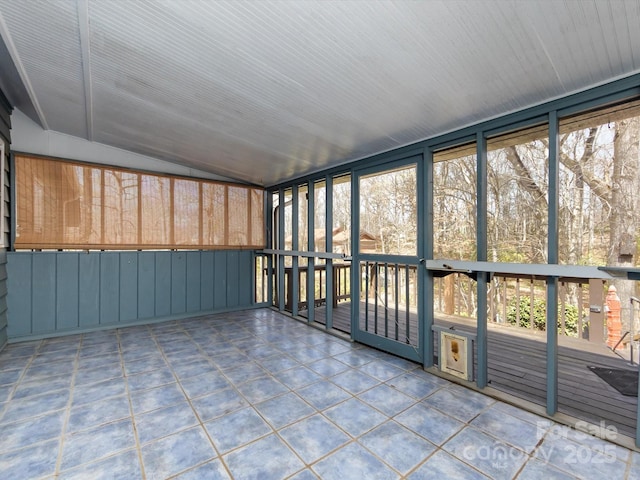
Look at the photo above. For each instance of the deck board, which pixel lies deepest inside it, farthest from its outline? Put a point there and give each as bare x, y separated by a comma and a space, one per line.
517, 365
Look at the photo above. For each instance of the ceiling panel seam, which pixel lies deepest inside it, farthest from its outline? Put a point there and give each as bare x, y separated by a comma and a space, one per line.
85, 48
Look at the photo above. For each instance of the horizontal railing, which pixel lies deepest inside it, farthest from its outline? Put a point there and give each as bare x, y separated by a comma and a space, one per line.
520, 301
341, 285
514, 300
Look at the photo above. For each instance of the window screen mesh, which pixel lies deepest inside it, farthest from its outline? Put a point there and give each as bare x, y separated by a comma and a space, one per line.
63, 204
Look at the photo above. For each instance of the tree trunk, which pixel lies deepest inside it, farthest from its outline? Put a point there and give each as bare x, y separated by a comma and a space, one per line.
624, 218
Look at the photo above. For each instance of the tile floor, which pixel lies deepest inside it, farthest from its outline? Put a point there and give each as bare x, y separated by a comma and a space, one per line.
258, 395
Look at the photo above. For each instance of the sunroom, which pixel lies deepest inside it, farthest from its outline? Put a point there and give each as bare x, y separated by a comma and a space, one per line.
320, 239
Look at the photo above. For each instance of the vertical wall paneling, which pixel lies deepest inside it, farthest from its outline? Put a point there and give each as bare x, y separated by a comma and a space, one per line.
52, 293
20, 285
3, 298
193, 282
128, 286
246, 286
43, 296
88, 290
179, 283
163, 283
206, 280
233, 277
219, 280
109, 287
3, 289
146, 284
67, 291
5, 230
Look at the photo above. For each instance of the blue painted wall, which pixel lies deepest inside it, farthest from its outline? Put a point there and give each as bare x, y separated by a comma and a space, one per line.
52, 293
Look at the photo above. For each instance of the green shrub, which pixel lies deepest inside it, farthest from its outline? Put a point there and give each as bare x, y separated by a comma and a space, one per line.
539, 315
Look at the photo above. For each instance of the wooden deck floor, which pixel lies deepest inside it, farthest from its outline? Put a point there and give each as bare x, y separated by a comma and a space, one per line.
517, 365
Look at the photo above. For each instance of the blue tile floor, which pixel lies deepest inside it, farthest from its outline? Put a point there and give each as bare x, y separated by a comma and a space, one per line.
256, 394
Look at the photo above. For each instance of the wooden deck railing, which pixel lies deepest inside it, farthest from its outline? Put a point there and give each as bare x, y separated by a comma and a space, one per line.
520, 301
514, 300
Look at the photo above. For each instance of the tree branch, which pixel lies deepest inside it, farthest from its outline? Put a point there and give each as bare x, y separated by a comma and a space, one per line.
525, 179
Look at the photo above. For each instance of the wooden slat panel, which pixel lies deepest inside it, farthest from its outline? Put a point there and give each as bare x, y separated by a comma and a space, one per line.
178, 282
3, 305
89, 290
128, 286
67, 292
146, 284
109, 288
44, 297
193, 282
5, 128
133, 208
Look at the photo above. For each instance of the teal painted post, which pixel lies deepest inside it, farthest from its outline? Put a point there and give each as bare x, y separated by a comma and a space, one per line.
280, 275
552, 345
552, 283
294, 279
425, 244
268, 211
355, 249
482, 278
328, 235
311, 246
638, 411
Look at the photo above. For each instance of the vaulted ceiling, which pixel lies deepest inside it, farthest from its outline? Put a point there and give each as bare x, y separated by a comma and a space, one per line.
265, 91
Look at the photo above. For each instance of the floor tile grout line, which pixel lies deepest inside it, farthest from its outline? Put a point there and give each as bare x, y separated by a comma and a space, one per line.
67, 414
19, 381
200, 422
274, 430
136, 436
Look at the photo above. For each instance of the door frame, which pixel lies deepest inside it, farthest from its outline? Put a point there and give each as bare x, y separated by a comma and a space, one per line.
410, 352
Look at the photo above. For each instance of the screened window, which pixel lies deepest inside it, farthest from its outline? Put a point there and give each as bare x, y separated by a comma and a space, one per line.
517, 191
388, 212
599, 186
61, 204
454, 203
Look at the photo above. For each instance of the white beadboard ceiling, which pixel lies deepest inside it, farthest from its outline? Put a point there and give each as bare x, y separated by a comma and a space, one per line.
265, 91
